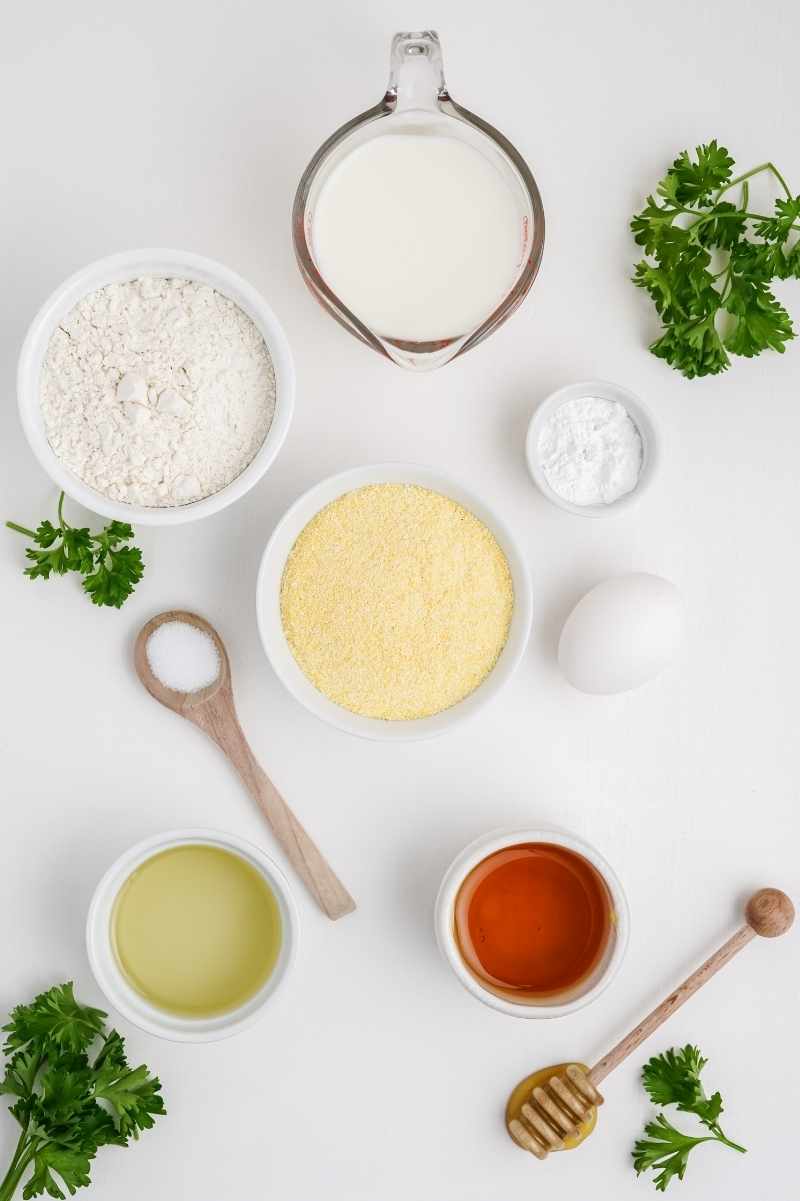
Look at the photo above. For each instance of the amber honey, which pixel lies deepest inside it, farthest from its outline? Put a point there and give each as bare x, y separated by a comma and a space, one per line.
533, 922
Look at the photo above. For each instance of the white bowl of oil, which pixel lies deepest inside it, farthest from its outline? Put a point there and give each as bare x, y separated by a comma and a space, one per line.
190, 933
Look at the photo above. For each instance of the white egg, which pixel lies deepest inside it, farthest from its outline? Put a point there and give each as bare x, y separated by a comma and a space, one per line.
621, 634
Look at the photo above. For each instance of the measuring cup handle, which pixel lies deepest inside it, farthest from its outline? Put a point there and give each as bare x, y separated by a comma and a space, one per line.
416, 74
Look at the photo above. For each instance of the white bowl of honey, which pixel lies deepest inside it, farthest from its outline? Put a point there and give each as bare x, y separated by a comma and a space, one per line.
533, 922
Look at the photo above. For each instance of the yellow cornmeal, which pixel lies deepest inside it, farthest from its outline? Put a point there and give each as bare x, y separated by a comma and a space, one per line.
396, 601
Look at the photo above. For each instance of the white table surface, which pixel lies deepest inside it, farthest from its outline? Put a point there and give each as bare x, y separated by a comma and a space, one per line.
374, 1076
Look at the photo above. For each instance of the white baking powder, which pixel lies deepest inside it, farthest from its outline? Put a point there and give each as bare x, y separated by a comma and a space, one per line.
182, 656
157, 391
590, 451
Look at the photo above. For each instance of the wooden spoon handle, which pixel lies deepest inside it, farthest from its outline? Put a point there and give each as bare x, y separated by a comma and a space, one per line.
769, 913
304, 855
218, 718
674, 1001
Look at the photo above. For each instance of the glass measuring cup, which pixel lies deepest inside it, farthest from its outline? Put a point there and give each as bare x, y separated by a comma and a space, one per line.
418, 104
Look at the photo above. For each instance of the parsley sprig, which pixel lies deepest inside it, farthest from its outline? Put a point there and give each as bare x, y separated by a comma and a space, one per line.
711, 262
110, 569
73, 1091
674, 1079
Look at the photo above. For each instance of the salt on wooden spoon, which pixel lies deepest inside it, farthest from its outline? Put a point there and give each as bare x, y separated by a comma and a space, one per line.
190, 674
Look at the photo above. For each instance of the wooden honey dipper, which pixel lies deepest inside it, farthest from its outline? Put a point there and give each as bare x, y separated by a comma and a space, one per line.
555, 1109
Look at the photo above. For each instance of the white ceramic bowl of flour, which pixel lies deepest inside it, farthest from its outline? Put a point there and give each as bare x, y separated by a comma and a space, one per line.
121, 268
542, 424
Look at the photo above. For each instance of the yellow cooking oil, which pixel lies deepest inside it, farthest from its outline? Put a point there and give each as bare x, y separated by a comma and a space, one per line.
196, 930
538, 1079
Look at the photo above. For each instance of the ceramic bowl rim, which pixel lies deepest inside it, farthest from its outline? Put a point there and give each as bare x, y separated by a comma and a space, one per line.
496, 840
642, 419
273, 560
116, 268
112, 983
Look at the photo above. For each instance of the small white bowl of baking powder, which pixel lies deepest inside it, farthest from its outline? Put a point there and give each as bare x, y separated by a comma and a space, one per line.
155, 387
591, 448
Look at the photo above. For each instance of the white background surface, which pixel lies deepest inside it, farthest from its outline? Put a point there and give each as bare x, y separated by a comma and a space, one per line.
374, 1076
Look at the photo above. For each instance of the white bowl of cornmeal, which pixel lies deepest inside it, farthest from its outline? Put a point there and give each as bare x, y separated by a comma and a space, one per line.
392, 602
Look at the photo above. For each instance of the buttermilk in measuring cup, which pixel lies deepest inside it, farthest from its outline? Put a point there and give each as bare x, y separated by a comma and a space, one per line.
418, 219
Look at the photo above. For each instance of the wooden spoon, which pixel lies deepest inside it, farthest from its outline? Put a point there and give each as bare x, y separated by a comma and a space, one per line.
556, 1108
212, 709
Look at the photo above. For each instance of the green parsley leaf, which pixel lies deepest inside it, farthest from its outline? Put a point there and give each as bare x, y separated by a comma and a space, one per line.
665, 1150
695, 181
761, 321
694, 347
54, 1019
673, 1078
711, 310
133, 1094
46, 533
111, 1054
778, 228
71, 1166
652, 225
116, 574
65, 550
68, 1103
111, 569
114, 533
20, 1075
791, 263
722, 226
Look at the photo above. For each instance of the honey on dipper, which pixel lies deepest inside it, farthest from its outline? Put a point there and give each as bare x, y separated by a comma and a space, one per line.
556, 1108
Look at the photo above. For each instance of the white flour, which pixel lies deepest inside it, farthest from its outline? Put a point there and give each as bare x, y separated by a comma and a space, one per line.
157, 391
591, 451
